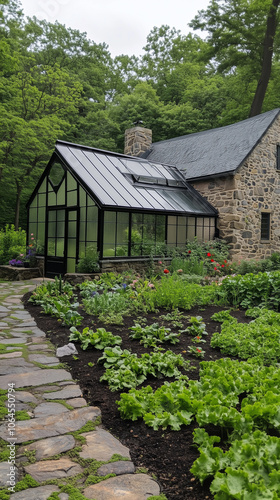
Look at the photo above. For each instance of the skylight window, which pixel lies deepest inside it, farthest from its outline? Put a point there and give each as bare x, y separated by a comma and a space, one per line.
151, 173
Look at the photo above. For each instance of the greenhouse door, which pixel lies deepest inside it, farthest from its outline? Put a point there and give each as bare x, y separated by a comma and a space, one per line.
61, 242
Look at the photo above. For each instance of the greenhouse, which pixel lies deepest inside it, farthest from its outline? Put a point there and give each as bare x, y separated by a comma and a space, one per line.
123, 207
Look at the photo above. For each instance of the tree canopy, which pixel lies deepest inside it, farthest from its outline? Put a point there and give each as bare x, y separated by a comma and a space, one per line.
55, 83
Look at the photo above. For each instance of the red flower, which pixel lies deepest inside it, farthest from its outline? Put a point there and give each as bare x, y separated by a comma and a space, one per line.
165, 271
190, 251
222, 265
215, 269
209, 254
159, 262
198, 350
212, 260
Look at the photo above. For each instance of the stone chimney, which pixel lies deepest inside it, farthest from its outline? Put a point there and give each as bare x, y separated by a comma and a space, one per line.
137, 140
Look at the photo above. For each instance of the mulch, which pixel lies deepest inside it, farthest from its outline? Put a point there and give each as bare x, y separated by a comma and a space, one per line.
167, 455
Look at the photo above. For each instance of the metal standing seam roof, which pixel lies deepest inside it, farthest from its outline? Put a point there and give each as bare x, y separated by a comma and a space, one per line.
122, 182
213, 152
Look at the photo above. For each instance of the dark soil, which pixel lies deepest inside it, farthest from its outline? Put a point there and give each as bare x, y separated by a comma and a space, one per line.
167, 454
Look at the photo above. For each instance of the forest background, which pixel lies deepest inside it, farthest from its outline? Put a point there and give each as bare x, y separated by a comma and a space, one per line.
55, 83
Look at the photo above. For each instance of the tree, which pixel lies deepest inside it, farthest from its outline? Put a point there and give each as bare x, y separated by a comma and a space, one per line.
242, 33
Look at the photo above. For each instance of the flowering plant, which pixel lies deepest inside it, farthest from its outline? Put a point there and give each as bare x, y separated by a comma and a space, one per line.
16, 263
196, 351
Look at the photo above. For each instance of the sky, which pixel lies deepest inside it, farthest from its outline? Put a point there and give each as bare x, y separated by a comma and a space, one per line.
122, 24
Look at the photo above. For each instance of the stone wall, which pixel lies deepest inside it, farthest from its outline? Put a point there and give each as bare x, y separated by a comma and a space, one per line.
241, 199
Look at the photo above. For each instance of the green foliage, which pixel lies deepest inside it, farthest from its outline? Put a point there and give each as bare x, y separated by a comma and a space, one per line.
213, 399
125, 370
260, 338
108, 302
171, 293
251, 290
99, 339
222, 316
89, 263
12, 243
196, 328
249, 469
152, 335
56, 298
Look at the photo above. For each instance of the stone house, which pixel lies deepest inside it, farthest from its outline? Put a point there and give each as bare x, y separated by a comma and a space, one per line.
237, 169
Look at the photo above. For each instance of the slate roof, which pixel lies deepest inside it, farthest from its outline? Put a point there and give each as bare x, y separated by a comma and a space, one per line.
118, 181
213, 152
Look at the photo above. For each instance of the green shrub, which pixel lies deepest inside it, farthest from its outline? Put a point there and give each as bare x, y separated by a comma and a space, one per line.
12, 243
89, 262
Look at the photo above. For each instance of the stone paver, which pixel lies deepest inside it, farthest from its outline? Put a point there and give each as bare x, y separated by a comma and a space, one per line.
127, 487
52, 422
46, 409
118, 468
14, 354
53, 425
101, 445
71, 391
49, 447
42, 377
40, 493
77, 402
53, 469
5, 469
44, 360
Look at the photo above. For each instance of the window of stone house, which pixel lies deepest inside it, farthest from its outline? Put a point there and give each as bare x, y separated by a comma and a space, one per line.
265, 226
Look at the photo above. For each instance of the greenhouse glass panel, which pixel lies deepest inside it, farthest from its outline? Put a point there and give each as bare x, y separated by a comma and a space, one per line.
92, 213
61, 194
51, 199
42, 200
82, 231
33, 215
41, 214
83, 214
71, 248
91, 231
83, 197
71, 198
52, 229
71, 265
43, 187
51, 246
71, 183
59, 247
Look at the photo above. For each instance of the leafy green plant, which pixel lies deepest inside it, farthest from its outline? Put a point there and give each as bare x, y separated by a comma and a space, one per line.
99, 339
175, 317
249, 469
89, 262
62, 309
126, 370
251, 290
196, 351
152, 335
222, 316
259, 338
197, 327
111, 302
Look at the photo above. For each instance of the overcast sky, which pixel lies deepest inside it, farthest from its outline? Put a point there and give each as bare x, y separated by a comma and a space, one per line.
121, 24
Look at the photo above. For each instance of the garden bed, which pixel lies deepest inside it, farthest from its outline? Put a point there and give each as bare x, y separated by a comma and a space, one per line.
167, 454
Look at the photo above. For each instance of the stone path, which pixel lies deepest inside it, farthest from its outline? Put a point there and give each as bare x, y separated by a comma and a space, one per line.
52, 446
